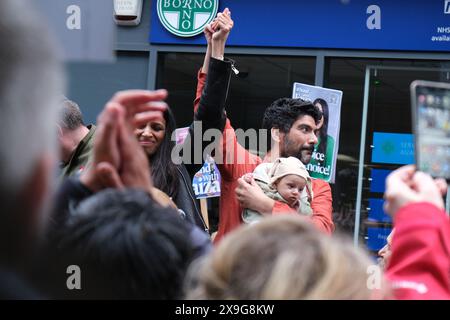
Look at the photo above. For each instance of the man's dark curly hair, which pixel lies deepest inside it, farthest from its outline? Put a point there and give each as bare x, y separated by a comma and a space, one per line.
283, 112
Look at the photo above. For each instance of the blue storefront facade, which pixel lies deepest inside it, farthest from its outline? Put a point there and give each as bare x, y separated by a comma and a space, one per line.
370, 50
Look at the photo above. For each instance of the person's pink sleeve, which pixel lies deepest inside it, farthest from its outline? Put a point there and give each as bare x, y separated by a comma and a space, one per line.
419, 267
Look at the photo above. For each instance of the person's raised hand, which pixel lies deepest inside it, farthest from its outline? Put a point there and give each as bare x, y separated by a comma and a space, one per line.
112, 165
208, 31
105, 149
405, 186
429, 189
442, 185
135, 169
222, 27
140, 106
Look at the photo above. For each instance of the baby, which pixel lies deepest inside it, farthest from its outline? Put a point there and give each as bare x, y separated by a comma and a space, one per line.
285, 180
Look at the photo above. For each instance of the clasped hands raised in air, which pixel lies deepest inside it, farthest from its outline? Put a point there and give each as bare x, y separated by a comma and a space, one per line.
406, 185
118, 159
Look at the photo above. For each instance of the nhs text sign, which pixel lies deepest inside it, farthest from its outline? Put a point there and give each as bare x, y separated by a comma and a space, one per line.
414, 25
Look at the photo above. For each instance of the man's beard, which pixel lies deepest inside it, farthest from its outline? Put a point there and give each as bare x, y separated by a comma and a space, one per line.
303, 153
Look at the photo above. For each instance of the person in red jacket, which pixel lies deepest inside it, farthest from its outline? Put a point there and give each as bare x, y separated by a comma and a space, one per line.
293, 134
419, 266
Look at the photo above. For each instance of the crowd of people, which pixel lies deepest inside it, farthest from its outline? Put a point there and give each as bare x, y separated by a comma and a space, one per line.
125, 215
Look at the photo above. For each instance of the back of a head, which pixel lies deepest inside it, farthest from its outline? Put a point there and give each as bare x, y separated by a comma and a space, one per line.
30, 83
71, 117
282, 258
127, 247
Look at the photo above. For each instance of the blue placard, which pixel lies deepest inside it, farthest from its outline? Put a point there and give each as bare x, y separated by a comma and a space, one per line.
395, 148
206, 182
376, 238
378, 180
414, 25
376, 212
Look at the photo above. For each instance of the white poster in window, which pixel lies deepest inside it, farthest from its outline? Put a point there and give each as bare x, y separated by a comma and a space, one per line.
323, 161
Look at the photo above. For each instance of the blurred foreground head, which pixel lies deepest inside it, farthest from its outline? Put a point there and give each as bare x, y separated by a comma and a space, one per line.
127, 247
30, 83
281, 257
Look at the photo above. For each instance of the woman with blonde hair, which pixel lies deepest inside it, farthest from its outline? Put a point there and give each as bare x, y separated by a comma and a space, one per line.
281, 257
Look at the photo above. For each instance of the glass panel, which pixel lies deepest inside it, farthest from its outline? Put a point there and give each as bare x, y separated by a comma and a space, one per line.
348, 75
389, 143
261, 80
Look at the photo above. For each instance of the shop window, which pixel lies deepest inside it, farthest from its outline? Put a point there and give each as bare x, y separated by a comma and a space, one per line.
261, 80
389, 116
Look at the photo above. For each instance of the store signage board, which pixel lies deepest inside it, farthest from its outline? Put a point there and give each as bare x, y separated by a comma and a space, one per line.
415, 25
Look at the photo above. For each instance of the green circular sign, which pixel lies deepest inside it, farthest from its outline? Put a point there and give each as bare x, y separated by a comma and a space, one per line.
186, 18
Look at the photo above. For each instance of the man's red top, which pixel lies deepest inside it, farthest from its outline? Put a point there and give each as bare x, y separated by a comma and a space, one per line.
237, 161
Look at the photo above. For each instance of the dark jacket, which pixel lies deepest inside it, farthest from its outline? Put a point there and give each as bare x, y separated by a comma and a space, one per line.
185, 199
211, 109
14, 287
210, 112
81, 156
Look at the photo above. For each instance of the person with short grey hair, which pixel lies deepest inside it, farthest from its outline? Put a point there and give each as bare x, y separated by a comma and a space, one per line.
31, 80
76, 140
71, 116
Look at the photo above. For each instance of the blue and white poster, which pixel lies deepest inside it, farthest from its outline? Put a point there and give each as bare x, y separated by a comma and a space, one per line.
323, 162
206, 182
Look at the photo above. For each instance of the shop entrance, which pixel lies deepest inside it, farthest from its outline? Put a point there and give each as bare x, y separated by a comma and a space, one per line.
386, 143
